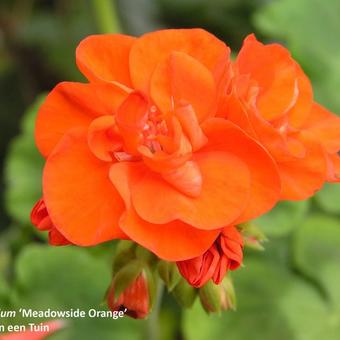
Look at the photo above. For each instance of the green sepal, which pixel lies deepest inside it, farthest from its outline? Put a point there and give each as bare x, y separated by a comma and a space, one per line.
253, 244
169, 273
231, 300
253, 236
125, 253
152, 283
210, 297
125, 276
146, 256
184, 294
216, 298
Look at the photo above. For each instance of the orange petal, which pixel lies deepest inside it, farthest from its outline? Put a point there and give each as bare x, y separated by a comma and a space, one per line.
55, 238
191, 127
265, 181
224, 81
234, 110
271, 137
296, 147
180, 79
302, 177
161, 161
300, 111
71, 105
82, 202
131, 119
154, 47
224, 195
186, 178
105, 57
333, 162
174, 241
324, 127
124, 176
103, 139
274, 70
175, 149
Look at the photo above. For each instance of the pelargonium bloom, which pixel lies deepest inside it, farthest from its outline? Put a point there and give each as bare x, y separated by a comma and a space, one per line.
138, 152
271, 99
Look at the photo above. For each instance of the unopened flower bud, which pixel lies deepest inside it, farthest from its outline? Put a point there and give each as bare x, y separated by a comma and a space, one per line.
134, 300
253, 237
225, 253
184, 294
216, 298
41, 219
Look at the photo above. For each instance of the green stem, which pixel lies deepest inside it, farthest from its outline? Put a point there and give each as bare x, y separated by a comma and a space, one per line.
153, 321
106, 16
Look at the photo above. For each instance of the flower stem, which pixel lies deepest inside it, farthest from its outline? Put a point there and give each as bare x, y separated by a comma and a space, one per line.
153, 328
106, 16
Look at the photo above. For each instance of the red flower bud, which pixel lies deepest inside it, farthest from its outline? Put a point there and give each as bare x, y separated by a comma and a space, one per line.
253, 236
225, 253
134, 300
215, 298
41, 219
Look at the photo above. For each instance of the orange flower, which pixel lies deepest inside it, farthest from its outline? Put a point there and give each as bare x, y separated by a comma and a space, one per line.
138, 152
272, 100
226, 253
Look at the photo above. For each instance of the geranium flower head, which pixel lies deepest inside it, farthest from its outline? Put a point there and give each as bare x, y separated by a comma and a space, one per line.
271, 99
138, 152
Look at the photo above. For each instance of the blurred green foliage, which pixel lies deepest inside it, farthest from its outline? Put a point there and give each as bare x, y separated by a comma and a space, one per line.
67, 278
328, 198
291, 296
283, 218
23, 169
227, 19
289, 291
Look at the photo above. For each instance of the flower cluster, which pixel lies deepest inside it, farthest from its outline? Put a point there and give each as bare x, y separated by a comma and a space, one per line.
173, 145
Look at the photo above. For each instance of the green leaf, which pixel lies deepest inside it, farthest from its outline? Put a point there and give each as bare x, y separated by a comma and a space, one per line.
23, 169
310, 29
272, 304
60, 277
329, 197
317, 253
284, 217
64, 278
3, 290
